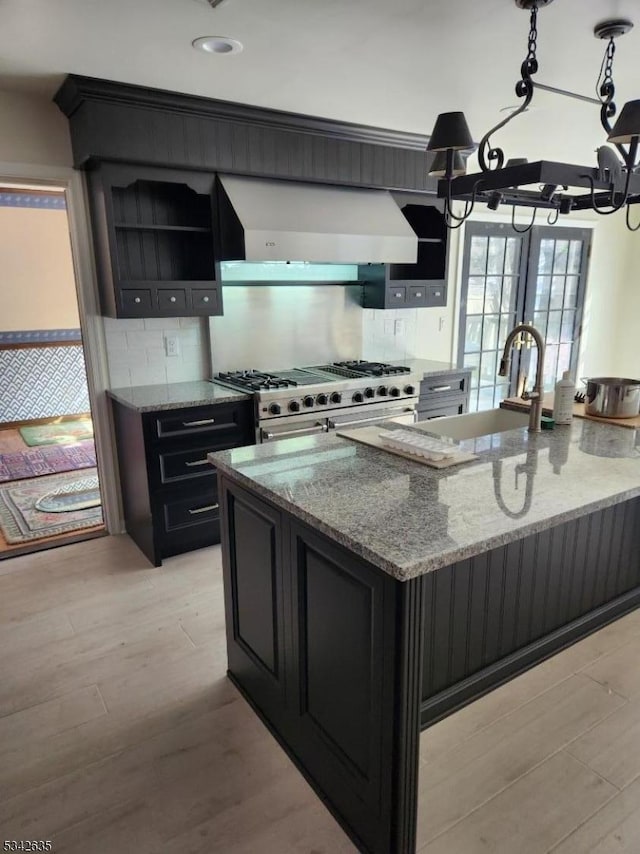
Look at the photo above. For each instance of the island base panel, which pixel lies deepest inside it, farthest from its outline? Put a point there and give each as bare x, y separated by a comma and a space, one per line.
492, 616
327, 649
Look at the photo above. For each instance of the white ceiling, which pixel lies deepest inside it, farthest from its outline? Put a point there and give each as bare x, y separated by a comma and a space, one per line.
391, 63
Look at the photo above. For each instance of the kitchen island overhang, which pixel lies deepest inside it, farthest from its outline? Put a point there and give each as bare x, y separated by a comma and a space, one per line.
368, 596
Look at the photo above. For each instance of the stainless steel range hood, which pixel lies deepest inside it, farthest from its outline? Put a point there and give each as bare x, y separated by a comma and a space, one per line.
270, 220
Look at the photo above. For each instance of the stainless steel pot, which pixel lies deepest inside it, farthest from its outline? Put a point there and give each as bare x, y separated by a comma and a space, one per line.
612, 397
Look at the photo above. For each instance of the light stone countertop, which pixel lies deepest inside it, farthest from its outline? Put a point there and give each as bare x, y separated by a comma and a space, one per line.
430, 367
149, 398
408, 519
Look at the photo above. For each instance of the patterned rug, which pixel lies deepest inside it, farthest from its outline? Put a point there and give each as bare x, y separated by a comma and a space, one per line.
60, 433
21, 522
48, 459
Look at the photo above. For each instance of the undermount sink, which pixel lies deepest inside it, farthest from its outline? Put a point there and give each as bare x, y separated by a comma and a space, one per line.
476, 424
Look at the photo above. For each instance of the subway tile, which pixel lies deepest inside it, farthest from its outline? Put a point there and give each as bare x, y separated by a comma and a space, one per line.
116, 340
190, 322
143, 374
145, 338
154, 323
127, 357
182, 372
119, 376
123, 324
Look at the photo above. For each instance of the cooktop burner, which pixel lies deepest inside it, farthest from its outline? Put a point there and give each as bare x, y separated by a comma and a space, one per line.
264, 380
372, 369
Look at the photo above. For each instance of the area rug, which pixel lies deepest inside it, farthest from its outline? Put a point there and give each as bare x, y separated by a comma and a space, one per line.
21, 521
60, 433
49, 459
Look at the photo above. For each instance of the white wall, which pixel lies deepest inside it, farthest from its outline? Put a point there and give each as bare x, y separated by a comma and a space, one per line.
625, 333
33, 131
137, 356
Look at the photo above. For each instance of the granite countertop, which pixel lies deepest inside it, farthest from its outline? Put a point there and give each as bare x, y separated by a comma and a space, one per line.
149, 398
430, 367
409, 519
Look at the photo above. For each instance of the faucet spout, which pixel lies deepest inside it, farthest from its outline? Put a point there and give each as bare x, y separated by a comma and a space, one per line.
535, 414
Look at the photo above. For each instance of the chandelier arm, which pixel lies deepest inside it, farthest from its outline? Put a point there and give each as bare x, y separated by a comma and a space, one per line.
556, 218
615, 207
629, 226
524, 89
529, 227
468, 205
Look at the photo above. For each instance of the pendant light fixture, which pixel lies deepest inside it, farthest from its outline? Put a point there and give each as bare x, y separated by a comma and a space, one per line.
558, 188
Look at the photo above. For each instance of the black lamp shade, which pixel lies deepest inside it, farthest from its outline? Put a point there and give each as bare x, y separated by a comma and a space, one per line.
439, 165
450, 131
628, 124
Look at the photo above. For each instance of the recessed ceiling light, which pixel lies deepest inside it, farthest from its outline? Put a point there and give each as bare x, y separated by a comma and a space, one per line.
217, 44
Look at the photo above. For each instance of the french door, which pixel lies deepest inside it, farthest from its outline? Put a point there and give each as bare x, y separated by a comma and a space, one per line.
509, 278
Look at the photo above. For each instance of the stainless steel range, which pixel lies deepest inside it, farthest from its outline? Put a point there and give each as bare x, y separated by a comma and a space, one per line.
321, 398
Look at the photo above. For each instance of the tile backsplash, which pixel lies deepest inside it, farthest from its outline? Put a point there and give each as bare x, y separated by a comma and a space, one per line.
137, 356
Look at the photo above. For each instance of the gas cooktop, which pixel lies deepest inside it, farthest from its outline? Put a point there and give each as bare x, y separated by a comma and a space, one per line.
254, 380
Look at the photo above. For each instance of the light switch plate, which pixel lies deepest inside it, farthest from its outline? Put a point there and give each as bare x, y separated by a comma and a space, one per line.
400, 327
172, 345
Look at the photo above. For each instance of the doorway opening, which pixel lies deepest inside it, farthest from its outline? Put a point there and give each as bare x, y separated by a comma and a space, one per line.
508, 278
49, 482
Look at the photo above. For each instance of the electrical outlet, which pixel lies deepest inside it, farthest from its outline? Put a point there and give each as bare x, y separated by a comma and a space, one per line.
388, 326
400, 327
441, 324
172, 345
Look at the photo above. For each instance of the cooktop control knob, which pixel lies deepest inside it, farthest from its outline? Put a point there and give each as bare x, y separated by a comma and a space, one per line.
394, 392
358, 397
294, 406
369, 392
410, 389
322, 400
382, 391
274, 409
308, 401
336, 397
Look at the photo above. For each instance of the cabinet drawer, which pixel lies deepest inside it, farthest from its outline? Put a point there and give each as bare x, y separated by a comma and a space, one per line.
436, 295
179, 465
443, 410
417, 295
136, 302
172, 301
227, 425
205, 300
201, 508
397, 296
451, 384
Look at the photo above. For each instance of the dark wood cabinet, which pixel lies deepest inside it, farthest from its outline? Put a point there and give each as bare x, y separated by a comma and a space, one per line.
169, 489
155, 236
419, 285
443, 395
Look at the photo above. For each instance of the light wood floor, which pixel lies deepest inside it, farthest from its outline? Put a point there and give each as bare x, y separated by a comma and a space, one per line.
120, 733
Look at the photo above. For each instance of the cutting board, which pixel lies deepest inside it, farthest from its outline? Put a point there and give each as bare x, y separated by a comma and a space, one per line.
369, 436
519, 405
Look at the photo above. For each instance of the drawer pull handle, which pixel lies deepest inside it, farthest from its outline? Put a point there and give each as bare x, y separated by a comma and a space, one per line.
205, 299
419, 294
200, 423
137, 300
198, 463
440, 388
203, 509
172, 299
398, 295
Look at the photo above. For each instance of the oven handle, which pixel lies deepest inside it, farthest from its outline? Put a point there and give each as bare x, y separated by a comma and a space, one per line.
301, 431
339, 425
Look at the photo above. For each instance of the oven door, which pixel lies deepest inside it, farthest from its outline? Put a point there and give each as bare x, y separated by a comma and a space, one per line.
360, 416
288, 428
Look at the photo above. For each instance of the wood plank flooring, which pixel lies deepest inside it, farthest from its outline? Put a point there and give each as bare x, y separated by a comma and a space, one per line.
119, 731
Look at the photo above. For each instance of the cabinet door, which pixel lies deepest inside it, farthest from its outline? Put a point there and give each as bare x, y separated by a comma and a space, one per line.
344, 623
254, 598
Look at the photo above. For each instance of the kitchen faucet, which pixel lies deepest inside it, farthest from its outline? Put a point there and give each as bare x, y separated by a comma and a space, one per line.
535, 414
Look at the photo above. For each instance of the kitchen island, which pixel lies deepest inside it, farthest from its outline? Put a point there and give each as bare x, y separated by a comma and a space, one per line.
368, 596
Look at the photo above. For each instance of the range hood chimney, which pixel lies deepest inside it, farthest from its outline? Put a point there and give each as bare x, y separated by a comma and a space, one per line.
271, 220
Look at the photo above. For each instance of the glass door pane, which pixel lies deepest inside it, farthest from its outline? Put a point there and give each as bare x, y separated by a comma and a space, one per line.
494, 264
